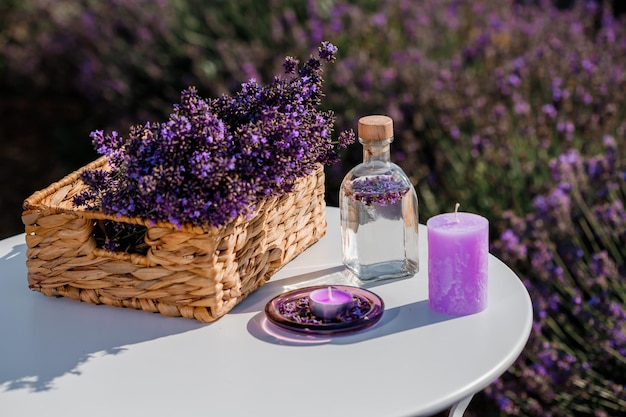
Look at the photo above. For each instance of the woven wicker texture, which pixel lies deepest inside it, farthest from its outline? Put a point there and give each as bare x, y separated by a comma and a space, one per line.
194, 272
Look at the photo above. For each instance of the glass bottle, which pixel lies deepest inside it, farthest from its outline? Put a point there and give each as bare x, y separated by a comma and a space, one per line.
379, 213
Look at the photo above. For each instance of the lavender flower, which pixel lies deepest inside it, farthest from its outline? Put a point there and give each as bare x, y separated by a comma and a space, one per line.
327, 51
573, 248
382, 189
346, 138
213, 159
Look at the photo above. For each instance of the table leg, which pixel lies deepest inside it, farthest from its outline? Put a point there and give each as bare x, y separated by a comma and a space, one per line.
459, 408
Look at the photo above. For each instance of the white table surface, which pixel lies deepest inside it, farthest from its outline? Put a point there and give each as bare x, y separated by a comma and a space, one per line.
60, 357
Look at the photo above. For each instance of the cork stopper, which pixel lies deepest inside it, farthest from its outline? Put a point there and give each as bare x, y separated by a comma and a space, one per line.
375, 128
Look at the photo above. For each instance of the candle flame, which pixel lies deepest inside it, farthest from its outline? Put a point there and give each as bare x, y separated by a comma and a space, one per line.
330, 293
456, 212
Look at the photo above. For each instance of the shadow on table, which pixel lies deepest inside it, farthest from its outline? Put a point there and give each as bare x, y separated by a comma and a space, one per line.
43, 338
394, 320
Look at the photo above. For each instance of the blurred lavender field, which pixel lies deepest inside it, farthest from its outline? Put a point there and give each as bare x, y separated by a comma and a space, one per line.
515, 109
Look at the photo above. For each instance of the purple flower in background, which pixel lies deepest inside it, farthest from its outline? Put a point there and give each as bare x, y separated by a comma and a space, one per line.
513, 244
455, 133
515, 80
549, 110
575, 241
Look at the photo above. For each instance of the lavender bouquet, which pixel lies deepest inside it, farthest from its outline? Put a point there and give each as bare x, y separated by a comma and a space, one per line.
214, 158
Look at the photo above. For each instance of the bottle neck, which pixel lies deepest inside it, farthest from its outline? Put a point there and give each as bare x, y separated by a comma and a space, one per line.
376, 151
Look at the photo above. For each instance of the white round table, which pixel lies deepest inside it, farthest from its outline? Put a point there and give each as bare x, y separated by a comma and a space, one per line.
60, 357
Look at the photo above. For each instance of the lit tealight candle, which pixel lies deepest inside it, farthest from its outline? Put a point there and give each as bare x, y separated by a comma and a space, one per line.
329, 302
458, 251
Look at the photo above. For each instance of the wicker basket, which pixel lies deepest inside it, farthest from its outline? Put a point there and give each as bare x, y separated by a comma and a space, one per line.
194, 272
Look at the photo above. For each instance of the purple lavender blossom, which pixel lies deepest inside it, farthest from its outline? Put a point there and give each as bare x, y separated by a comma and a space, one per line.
382, 189
213, 159
573, 247
290, 65
346, 138
327, 51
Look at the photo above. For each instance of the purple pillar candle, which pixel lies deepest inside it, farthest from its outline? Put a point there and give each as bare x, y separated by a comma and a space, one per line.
458, 252
329, 302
